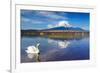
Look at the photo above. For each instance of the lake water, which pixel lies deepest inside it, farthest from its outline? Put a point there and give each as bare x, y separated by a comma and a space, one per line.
55, 49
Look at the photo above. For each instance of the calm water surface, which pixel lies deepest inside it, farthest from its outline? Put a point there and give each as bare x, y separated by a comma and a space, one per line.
55, 49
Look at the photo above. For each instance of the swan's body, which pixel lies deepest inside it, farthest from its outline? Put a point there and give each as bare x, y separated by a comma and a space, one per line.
33, 49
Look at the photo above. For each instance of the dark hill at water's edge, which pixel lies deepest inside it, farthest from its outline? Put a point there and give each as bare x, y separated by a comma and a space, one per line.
57, 32
57, 28
66, 28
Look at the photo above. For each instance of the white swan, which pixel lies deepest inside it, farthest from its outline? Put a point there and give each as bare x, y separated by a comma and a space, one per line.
33, 49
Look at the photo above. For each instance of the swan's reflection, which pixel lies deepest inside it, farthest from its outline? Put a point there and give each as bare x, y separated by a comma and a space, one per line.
61, 44
33, 56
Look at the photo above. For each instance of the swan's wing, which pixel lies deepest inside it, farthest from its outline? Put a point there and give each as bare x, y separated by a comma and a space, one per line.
35, 49
32, 49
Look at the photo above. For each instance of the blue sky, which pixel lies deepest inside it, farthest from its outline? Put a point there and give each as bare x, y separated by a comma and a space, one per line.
35, 19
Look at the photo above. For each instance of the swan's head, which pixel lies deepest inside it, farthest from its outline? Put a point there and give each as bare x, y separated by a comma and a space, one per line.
37, 44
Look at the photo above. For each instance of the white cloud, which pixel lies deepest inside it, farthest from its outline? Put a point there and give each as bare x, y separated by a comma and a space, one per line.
23, 19
51, 15
59, 24
64, 23
50, 26
28, 20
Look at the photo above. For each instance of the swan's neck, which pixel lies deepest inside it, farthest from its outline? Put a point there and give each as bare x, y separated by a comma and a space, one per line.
37, 46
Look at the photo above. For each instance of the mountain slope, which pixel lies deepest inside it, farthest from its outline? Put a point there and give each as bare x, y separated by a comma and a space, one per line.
66, 28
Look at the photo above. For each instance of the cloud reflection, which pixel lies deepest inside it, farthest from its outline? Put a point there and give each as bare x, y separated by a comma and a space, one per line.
61, 44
